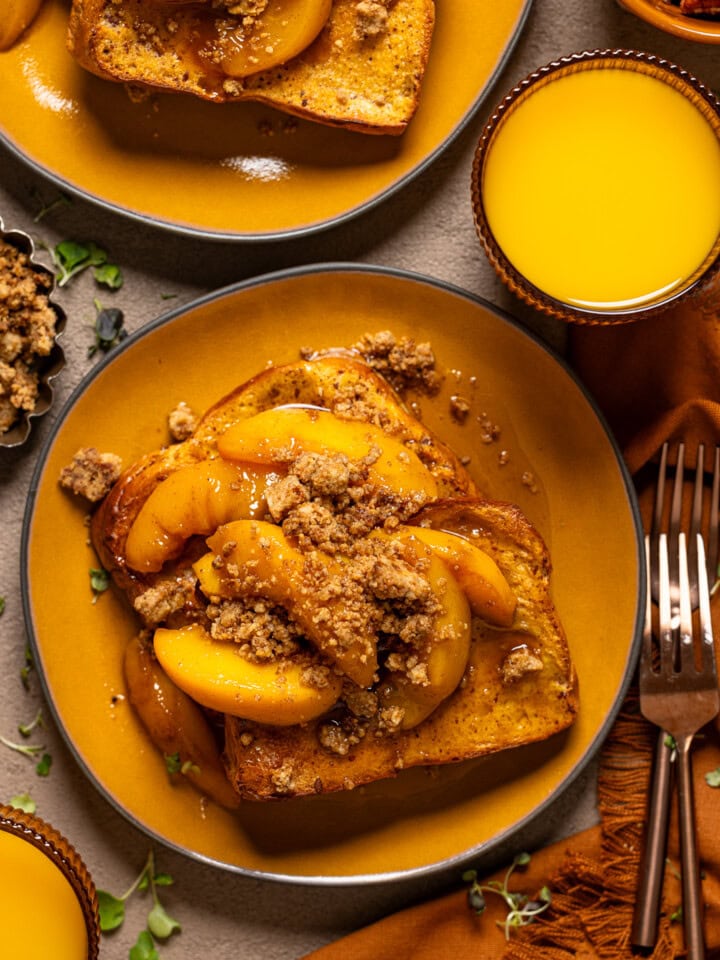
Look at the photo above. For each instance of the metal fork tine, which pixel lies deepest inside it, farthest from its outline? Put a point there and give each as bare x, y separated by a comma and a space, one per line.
659, 498
707, 645
686, 652
712, 554
664, 607
696, 517
675, 519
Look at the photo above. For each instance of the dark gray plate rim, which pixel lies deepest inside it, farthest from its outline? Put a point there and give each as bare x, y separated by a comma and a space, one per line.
483, 849
289, 233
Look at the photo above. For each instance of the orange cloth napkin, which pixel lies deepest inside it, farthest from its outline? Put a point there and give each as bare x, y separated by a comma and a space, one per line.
654, 380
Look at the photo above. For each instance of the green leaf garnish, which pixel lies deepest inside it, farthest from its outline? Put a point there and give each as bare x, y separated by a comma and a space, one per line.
42, 767
144, 948
712, 777
109, 328
160, 923
24, 802
99, 581
25, 729
112, 911
25, 671
109, 275
2, 606
172, 763
71, 258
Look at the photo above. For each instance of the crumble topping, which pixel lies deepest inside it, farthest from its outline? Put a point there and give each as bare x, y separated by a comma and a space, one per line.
27, 331
519, 663
372, 17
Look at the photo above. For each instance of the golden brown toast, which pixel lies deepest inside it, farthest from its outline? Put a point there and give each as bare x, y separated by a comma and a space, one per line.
519, 687
423, 690
370, 84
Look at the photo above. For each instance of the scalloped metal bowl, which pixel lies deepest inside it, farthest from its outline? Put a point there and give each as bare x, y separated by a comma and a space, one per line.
47, 367
699, 95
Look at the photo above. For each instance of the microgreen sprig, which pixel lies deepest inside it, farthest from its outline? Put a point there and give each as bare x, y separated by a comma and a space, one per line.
712, 777
160, 924
521, 909
71, 258
109, 328
42, 766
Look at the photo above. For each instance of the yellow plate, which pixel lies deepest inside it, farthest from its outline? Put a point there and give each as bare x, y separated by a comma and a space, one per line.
667, 17
563, 470
236, 171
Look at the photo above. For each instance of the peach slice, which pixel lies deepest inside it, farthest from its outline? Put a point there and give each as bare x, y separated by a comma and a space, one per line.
216, 675
175, 723
479, 577
282, 31
17, 15
446, 657
281, 434
279, 574
196, 499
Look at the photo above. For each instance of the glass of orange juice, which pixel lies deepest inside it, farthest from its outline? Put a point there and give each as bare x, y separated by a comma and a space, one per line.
48, 906
596, 186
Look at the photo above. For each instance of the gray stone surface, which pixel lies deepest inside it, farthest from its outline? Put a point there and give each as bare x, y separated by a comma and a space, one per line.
426, 227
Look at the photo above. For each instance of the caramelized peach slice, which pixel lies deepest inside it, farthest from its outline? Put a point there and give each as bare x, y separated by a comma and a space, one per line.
175, 724
479, 577
279, 573
216, 675
446, 656
196, 499
282, 31
281, 434
16, 16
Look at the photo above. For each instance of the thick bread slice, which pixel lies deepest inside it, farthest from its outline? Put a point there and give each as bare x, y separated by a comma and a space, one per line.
367, 84
520, 686
343, 384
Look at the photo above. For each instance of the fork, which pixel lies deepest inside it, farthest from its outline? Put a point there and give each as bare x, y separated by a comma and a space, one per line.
699, 571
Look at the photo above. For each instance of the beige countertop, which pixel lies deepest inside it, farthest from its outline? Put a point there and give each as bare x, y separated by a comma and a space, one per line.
425, 227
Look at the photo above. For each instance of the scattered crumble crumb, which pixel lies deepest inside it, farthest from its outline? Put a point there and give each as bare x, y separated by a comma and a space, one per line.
91, 474
182, 422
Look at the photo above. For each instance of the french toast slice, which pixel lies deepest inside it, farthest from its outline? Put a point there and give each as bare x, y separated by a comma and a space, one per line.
346, 78
519, 685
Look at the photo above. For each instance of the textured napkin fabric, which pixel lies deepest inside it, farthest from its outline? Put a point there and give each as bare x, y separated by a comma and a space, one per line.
655, 380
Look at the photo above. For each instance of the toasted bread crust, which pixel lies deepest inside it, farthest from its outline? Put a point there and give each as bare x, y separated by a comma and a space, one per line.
369, 85
486, 714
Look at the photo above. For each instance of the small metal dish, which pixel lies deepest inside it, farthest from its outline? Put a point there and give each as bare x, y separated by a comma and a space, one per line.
47, 367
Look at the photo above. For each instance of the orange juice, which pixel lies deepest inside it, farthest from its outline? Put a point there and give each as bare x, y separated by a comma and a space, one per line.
602, 187
40, 914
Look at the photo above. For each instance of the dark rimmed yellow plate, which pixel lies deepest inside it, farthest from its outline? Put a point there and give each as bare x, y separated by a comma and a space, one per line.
563, 469
235, 171
667, 17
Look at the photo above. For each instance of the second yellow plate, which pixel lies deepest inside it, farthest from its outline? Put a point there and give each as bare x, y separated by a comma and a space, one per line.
235, 171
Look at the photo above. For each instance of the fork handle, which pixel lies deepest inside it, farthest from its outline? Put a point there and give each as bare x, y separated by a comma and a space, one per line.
647, 904
692, 894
